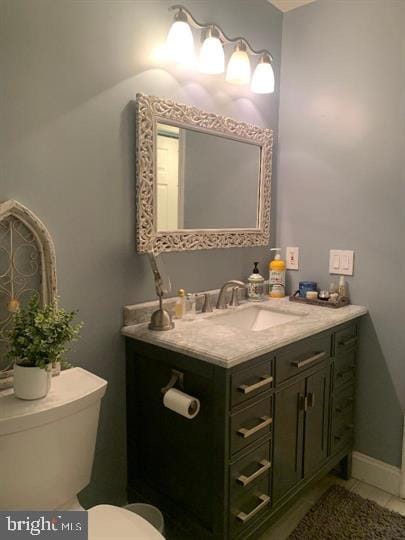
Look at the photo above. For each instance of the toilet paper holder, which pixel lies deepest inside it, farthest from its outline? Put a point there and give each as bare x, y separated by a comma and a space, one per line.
177, 377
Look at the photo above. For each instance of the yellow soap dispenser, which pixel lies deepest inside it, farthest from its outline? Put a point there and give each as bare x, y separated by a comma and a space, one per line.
277, 275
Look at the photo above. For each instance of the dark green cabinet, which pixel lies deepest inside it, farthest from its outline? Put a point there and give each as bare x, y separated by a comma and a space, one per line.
288, 433
301, 424
343, 390
267, 429
316, 420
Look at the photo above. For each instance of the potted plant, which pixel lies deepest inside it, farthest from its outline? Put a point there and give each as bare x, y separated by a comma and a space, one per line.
39, 338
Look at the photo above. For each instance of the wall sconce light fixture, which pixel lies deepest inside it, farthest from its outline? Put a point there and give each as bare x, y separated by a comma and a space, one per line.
238, 70
180, 49
180, 41
263, 77
212, 56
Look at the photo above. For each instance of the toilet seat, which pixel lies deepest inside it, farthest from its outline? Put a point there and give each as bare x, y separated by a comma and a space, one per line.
107, 522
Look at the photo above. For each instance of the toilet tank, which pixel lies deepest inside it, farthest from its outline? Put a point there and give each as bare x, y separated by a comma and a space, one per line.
47, 445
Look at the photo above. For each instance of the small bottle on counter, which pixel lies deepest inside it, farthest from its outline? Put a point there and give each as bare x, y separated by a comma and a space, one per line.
342, 286
255, 288
180, 307
333, 293
190, 307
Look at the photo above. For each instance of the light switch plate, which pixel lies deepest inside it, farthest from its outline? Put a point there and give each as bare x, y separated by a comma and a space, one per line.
341, 262
292, 258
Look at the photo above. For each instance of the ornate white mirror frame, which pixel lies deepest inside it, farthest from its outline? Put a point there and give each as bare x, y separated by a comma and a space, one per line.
151, 110
27, 265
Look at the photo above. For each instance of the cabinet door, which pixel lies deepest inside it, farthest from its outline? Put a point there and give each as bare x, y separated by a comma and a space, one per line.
288, 438
316, 420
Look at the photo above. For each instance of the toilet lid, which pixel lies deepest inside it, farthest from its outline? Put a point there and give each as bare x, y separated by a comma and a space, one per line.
108, 522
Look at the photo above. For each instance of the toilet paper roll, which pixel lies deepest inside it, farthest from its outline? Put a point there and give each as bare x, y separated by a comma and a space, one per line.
181, 403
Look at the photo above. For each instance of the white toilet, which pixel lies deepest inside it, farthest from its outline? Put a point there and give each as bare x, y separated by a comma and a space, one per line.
47, 451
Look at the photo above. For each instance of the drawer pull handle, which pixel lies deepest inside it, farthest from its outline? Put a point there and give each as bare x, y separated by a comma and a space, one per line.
245, 480
347, 342
345, 371
307, 361
349, 427
265, 499
246, 389
245, 433
345, 405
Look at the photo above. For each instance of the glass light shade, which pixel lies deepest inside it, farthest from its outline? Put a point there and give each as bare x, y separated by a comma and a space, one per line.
263, 78
238, 70
212, 57
180, 43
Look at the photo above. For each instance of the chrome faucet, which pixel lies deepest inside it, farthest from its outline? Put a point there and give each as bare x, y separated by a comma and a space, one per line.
221, 303
235, 296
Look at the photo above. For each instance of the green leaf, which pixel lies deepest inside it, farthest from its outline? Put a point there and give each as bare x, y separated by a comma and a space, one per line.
41, 333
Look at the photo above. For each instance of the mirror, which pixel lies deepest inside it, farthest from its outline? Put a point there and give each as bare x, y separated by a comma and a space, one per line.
203, 180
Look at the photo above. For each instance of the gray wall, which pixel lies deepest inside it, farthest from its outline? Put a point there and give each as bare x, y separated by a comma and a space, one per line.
221, 182
342, 185
69, 74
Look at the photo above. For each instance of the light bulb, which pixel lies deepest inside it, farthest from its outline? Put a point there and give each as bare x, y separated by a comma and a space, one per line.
238, 70
180, 41
212, 57
263, 77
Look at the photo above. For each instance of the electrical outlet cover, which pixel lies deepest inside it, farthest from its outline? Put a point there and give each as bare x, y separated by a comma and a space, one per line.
292, 258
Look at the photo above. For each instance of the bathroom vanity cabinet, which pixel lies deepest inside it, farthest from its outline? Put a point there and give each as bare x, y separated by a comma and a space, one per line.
267, 429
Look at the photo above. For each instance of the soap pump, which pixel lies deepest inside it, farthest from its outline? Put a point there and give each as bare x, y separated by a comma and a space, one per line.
255, 288
277, 275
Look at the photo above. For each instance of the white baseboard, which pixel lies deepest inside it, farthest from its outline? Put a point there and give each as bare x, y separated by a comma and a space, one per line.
376, 473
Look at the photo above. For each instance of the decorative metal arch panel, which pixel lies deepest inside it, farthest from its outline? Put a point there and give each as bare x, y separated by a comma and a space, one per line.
149, 111
27, 265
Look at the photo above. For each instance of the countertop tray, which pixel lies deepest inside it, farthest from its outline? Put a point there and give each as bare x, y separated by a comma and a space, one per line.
342, 301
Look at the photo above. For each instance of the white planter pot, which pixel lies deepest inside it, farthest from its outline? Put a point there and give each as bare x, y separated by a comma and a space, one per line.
31, 382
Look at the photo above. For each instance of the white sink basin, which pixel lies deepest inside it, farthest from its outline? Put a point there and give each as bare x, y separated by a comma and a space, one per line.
255, 318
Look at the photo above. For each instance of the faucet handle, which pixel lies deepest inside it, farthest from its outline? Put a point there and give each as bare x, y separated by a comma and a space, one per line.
207, 308
235, 297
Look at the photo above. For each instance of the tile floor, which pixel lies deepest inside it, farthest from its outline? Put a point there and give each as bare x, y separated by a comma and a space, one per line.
282, 528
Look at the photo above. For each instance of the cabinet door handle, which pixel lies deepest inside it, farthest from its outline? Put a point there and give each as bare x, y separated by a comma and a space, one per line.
311, 399
245, 480
246, 389
245, 433
302, 402
347, 342
307, 361
246, 517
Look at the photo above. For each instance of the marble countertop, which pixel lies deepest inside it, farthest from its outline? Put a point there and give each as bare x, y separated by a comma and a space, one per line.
209, 340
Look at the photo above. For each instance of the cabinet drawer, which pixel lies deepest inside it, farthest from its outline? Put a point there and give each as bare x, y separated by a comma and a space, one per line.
251, 505
251, 382
296, 358
346, 339
344, 369
342, 432
250, 470
251, 424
